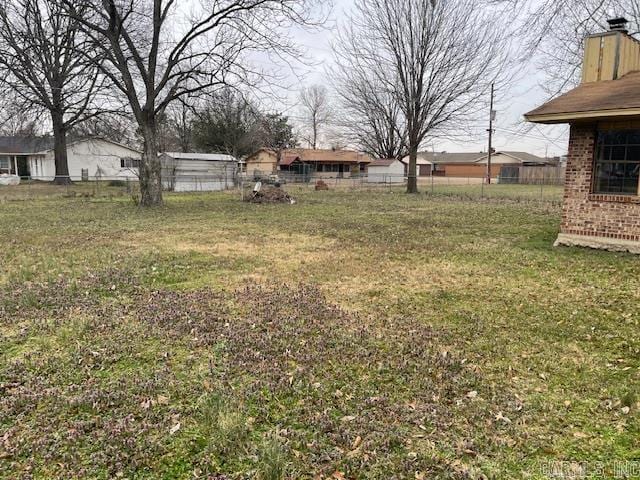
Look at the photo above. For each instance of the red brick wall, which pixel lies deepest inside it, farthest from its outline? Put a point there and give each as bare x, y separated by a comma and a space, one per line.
609, 216
471, 170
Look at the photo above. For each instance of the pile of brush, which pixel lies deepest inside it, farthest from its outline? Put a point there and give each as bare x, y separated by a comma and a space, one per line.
269, 194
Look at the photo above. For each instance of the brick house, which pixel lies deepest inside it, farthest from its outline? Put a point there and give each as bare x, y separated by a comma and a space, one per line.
306, 161
601, 207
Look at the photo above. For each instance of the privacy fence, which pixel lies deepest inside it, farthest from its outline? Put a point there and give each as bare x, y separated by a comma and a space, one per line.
547, 175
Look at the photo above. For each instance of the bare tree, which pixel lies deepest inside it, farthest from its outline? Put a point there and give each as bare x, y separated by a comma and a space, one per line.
48, 64
118, 127
160, 51
436, 60
371, 116
180, 119
316, 111
16, 119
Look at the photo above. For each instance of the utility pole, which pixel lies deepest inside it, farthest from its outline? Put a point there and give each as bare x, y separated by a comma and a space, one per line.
492, 116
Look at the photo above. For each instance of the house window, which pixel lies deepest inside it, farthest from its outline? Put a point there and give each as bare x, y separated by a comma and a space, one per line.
129, 162
617, 162
4, 162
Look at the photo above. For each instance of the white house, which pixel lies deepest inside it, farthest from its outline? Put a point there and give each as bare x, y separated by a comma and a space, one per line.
386, 171
89, 158
188, 172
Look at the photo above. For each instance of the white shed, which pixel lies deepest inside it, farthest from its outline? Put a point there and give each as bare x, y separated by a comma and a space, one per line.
386, 171
192, 172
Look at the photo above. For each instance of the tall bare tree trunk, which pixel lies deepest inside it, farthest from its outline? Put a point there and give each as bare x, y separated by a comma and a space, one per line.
412, 177
150, 168
60, 150
315, 134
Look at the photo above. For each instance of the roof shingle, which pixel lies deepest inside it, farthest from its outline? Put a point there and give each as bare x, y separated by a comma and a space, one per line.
610, 97
18, 144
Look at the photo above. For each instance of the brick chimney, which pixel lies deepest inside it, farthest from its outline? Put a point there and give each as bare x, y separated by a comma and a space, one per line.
610, 55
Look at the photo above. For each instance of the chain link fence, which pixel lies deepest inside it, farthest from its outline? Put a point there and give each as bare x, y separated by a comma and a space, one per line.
547, 190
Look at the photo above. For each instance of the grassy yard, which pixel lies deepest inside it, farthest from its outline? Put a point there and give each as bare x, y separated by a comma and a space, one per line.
354, 335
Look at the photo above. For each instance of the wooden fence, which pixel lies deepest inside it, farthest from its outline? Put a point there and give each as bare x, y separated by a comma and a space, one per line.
536, 175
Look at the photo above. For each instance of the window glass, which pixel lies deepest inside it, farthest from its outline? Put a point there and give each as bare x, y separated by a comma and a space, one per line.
633, 137
128, 162
4, 162
617, 162
618, 153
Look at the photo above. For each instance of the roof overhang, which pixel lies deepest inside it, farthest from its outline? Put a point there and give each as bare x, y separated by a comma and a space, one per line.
569, 117
21, 154
313, 160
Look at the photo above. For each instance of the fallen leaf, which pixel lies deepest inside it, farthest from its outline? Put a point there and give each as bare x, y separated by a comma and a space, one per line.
175, 428
502, 418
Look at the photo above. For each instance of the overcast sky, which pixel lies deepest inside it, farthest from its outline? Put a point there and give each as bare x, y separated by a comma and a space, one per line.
512, 133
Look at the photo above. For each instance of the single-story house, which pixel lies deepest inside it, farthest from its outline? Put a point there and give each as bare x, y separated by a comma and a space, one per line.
188, 172
601, 207
387, 170
306, 161
465, 164
88, 158
262, 162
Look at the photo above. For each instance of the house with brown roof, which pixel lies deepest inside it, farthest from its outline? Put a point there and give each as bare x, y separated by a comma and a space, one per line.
307, 162
465, 164
601, 207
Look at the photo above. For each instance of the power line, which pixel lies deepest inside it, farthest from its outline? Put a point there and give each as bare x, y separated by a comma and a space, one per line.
541, 137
